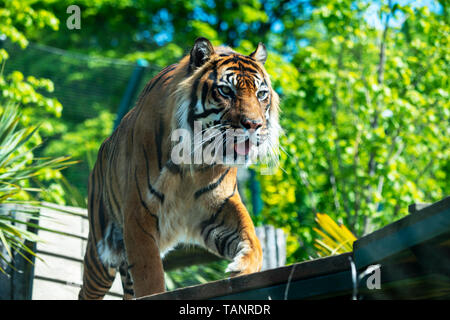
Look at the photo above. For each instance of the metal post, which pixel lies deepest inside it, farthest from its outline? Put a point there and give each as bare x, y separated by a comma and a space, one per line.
255, 190
132, 86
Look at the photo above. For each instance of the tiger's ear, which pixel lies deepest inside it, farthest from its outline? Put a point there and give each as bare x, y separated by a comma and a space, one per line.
260, 54
200, 53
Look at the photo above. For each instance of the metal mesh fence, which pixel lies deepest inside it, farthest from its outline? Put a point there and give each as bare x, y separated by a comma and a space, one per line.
84, 85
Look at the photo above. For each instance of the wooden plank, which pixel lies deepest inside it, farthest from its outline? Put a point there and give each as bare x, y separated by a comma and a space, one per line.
59, 269
82, 212
60, 244
431, 222
335, 284
281, 247
273, 277
68, 224
52, 289
49, 290
426, 212
413, 208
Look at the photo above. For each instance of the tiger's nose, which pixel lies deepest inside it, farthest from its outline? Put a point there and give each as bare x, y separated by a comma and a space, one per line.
248, 124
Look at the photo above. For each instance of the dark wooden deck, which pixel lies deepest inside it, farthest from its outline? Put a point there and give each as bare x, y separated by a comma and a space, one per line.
413, 254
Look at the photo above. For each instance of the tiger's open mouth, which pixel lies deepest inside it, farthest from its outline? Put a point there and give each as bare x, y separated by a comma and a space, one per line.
242, 148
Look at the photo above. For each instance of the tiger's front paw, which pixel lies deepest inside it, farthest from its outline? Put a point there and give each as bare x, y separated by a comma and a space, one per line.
248, 260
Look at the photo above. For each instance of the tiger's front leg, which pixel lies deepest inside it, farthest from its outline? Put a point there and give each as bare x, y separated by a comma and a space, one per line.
141, 235
230, 233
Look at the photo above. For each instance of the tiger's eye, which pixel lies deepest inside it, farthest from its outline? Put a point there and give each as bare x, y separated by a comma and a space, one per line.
262, 94
224, 90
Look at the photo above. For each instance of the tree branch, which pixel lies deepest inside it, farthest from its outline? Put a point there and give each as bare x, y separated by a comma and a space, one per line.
374, 122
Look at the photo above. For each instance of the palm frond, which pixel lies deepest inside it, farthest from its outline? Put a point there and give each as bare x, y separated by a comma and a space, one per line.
17, 167
333, 238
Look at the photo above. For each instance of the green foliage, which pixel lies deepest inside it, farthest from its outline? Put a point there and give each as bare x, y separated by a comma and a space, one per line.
85, 139
17, 16
197, 274
18, 21
17, 168
82, 143
368, 130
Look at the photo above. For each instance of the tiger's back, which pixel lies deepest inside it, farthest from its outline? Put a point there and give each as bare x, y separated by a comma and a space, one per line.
142, 203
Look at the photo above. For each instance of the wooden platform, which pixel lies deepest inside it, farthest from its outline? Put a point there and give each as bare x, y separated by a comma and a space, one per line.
413, 255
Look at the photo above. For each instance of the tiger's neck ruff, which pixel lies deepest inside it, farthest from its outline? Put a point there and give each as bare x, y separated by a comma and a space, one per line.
168, 172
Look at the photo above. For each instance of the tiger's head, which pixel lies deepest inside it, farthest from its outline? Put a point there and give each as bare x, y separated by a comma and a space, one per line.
228, 105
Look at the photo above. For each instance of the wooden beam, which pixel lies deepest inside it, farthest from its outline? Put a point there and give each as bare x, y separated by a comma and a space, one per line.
254, 281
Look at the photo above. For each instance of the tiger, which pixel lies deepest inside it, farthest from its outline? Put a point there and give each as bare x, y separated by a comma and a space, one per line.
143, 200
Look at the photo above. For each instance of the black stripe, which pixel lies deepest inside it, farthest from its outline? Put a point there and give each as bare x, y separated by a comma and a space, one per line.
131, 135
251, 62
99, 198
111, 183
155, 80
104, 282
91, 205
93, 255
167, 79
205, 89
145, 231
230, 242
172, 167
232, 59
207, 112
213, 218
215, 96
213, 75
194, 97
123, 270
158, 138
242, 68
204, 167
129, 291
236, 58
101, 216
92, 293
223, 242
143, 202
206, 236
101, 209
159, 195
211, 186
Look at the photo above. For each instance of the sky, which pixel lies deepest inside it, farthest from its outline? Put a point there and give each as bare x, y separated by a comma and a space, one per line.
373, 18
